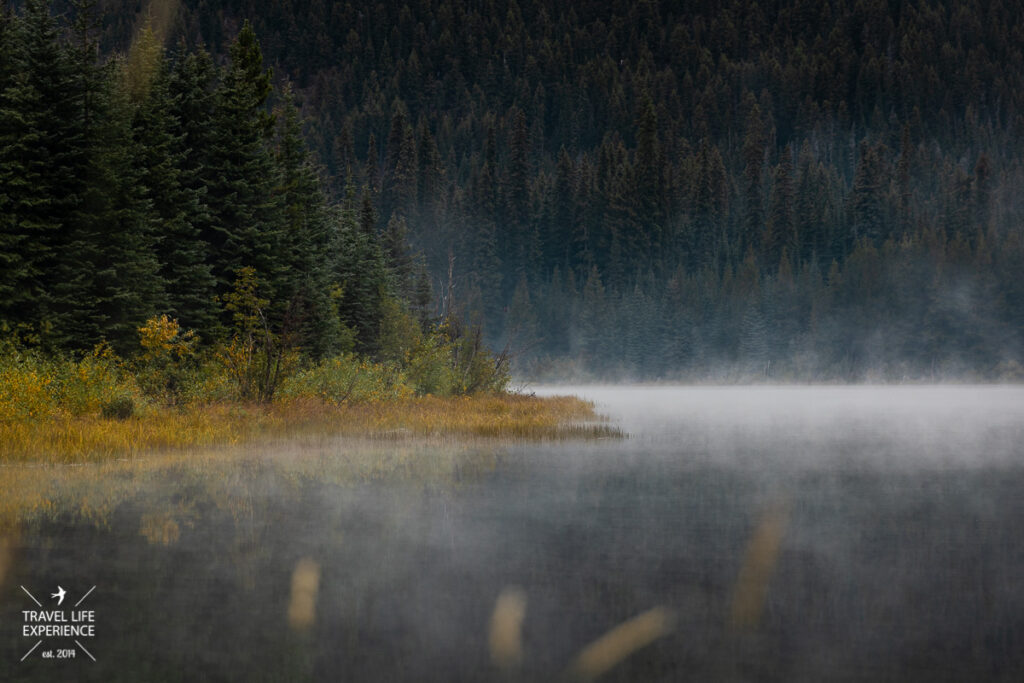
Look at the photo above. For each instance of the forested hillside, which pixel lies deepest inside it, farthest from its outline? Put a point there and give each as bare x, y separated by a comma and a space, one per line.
728, 189
159, 182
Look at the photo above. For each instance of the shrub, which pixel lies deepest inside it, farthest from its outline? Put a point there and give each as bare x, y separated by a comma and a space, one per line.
347, 379
34, 387
208, 382
119, 408
168, 353
452, 360
82, 387
26, 390
431, 369
256, 358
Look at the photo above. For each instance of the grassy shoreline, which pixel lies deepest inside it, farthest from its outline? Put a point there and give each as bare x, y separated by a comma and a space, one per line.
92, 438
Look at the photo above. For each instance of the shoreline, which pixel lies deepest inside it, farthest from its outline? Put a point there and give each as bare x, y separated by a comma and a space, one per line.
94, 438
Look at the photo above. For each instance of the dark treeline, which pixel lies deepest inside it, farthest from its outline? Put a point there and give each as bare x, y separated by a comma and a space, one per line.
728, 189
156, 183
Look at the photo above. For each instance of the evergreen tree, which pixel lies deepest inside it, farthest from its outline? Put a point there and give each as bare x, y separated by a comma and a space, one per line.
559, 248
779, 233
359, 268
649, 175
116, 222
143, 184
43, 172
187, 258
430, 179
246, 222
754, 142
868, 200
174, 208
23, 226
306, 283
517, 197
399, 260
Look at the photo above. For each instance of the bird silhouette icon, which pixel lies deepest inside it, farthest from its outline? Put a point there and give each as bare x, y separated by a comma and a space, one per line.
59, 595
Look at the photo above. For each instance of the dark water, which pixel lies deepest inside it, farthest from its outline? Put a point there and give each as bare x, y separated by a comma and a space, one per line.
790, 533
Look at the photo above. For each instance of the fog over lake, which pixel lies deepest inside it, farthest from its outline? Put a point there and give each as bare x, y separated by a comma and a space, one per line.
749, 533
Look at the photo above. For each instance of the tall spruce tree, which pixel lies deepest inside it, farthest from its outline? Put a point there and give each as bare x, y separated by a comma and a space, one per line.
359, 268
42, 171
306, 283
187, 258
176, 207
17, 257
246, 222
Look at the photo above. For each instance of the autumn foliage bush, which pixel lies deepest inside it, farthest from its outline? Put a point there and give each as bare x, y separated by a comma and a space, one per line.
170, 370
35, 387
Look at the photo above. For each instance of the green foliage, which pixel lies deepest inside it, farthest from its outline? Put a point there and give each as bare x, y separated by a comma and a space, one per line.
256, 358
35, 386
660, 141
430, 367
359, 268
118, 408
400, 333
347, 379
306, 284
450, 360
246, 226
559, 186
165, 165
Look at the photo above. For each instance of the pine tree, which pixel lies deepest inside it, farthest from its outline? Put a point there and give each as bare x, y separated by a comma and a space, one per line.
649, 174
186, 255
779, 233
903, 180
246, 225
399, 165
359, 268
489, 263
593, 328
710, 206
176, 209
517, 196
127, 283
404, 179
754, 145
368, 215
306, 282
559, 250
808, 220
430, 180
868, 201
373, 167
521, 329
21, 251
43, 170
397, 256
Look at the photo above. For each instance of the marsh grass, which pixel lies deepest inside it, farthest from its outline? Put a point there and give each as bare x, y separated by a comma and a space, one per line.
88, 493
91, 438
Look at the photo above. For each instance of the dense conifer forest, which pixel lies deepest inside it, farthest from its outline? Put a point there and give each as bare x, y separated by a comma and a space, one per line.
710, 190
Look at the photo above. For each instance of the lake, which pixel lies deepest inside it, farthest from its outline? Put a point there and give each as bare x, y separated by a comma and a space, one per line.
735, 533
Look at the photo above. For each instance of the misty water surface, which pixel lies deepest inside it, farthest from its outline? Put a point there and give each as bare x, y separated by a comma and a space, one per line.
782, 533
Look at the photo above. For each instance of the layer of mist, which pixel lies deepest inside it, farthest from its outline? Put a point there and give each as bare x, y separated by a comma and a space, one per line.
769, 533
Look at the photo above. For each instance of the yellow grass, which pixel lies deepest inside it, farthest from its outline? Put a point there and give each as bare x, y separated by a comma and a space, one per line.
92, 438
88, 493
86, 466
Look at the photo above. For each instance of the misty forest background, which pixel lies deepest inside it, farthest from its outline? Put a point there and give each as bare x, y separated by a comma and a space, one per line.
725, 190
